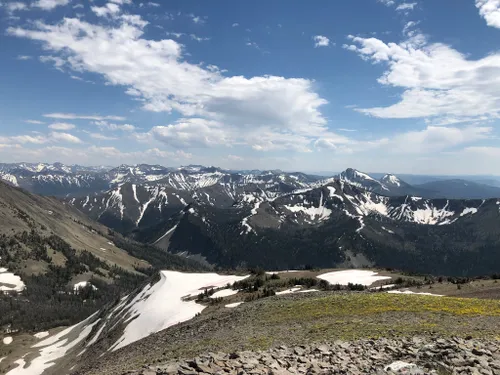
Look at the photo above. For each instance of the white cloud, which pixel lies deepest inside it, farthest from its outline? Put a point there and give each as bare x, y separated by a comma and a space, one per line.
24, 57
192, 132
37, 122
197, 38
437, 80
49, 4
321, 41
72, 116
252, 44
234, 157
61, 126
490, 11
37, 139
176, 35
435, 139
236, 24
105, 125
156, 73
14, 6
196, 19
101, 137
106, 10
387, 3
64, 137
406, 7
78, 6
121, 2
151, 4
56, 61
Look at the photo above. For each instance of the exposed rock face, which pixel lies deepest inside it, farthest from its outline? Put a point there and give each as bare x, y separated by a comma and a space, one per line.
382, 356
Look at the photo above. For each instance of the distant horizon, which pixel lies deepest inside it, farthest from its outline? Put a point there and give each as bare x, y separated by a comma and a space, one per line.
312, 172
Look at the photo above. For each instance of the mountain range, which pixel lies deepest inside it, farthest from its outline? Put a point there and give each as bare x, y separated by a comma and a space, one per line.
276, 219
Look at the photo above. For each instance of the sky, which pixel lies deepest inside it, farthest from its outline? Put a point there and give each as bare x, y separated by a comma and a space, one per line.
399, 86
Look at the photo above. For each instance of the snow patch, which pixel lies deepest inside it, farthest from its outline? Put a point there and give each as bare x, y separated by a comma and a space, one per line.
410, 292
388, 230
41, 335
7, 340
10, 282
224, 293
161, 305
167, 233
232, 305
400, 366
362, 277
53, 348
288, 291
469, 210
81, 285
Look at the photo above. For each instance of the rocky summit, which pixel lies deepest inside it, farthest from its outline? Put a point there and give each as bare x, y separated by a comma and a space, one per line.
417, 355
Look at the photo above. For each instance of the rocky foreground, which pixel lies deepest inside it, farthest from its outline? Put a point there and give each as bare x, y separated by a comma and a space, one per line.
382, 356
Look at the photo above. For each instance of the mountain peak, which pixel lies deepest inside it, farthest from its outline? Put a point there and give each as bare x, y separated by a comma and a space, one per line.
390, 179
355, 175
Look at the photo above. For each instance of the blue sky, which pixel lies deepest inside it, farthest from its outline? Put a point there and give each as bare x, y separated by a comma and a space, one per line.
395, 86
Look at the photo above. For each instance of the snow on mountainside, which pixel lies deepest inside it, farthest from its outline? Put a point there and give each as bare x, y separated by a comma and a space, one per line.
156, 306
313, 206
390, 179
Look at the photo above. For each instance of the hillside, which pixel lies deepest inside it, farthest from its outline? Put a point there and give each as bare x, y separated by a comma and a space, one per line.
337, 224
57, 266
182, 315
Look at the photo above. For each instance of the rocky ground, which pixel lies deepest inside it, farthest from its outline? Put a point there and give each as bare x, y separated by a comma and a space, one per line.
417, 355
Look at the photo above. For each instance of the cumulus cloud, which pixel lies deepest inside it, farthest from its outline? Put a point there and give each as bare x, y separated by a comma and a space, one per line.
490, 11
156, 73
61, 126
321, 41
106, 10
437, 80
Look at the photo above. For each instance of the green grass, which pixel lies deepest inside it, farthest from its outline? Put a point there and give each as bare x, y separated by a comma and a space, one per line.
361, 304
297, 320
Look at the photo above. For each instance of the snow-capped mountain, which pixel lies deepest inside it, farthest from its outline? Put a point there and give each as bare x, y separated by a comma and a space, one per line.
391, 180
334, 223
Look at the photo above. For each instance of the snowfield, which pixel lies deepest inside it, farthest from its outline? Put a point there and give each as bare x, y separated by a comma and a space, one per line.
362, 277
10, 282
410, 292
7, 340
162, 305
224, 293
